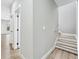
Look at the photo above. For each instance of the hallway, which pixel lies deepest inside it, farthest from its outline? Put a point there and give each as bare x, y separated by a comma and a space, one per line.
61, 54
35, 29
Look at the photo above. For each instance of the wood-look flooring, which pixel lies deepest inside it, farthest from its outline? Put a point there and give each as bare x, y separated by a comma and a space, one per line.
7, 52
61, 54
15, 54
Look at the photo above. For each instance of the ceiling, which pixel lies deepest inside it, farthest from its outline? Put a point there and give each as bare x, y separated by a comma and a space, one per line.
7, 3
63, 2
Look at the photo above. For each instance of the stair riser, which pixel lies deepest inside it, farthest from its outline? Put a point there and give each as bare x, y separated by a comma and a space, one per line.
67, 44
66, 39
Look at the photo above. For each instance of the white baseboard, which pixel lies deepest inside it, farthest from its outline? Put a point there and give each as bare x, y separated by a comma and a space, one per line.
48, 53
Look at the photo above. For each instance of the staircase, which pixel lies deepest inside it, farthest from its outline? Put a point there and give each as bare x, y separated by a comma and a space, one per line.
67, 42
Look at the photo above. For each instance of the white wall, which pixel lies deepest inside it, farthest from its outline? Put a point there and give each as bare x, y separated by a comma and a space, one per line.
64, 2
27, 28
45, 16
5, 17
68, 17
4, 25
5, 13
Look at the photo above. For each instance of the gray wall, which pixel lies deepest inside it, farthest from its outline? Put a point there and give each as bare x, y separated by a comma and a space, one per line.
27, 28
38, 25
68, 17
45, 24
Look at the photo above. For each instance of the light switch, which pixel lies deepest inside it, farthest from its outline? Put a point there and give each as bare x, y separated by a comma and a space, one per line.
44, 27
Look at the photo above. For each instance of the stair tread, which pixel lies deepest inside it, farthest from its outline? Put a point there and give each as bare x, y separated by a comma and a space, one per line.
67, 36
67, 49
67, 39
73, 48
67, 42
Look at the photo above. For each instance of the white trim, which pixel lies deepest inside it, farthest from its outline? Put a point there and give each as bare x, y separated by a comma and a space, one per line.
48, 53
